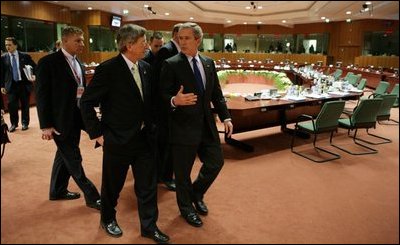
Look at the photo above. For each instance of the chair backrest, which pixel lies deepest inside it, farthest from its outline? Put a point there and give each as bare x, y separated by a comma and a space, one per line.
381, 89
361, 85
364, 116
395, 91
337, 74
348, 74
386, 106
327, 118
352, 79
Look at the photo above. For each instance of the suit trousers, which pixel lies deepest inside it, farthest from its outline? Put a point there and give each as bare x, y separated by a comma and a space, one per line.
163, 153
67, 163
210, 153
116, 162
19, 93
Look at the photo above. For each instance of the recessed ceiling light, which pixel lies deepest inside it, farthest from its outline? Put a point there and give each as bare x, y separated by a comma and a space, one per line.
229, 21
125, 11
259, 22
323, 17
191, 18
283, 21
146, 5
244, 23
167, 14
327, 20
368, 3
248, 7
259, 7
348, 12
90, 8
348, 20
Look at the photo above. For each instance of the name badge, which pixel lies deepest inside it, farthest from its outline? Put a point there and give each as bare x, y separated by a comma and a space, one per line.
80, 91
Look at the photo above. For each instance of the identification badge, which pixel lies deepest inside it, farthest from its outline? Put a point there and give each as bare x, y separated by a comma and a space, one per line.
79, 92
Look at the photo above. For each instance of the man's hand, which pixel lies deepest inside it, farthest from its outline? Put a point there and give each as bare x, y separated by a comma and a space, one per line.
182, 99
47, 133
3, 90
228, 128
100, 140
33, 78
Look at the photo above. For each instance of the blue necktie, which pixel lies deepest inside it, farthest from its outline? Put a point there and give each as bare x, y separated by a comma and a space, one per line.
14, 68
197, 76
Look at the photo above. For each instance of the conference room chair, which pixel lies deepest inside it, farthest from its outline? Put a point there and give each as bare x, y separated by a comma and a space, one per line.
363, 116
384, 111
380, 90
337, 74
361, 85
395, 91
326, 121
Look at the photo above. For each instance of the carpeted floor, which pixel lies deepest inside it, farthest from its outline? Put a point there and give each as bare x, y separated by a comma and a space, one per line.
267, 196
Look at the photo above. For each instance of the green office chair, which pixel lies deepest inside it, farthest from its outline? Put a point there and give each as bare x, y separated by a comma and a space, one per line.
361, 85
395, 91
347, 75
337, 74
380, 90
326, 121
384, 111
353, 79
364, 116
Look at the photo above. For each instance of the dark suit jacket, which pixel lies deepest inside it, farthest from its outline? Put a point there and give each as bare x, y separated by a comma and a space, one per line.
122, 108
6, 70
187, 122
149, 57
56, 94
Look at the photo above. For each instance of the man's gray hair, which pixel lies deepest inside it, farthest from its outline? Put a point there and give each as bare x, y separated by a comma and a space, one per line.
129, 33
198, 32
68, 30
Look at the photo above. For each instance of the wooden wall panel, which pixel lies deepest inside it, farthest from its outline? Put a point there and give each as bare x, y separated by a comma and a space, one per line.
376, 61
36, 10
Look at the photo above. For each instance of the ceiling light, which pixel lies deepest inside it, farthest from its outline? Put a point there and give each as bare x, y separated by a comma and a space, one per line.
191, 18
259, 22
323, 17
125, 11
348, 20
90, 8
368, 3
248, 7
327, 20
283, 21
259, 7
244, 23
166, 14
146, 5
229, 21
348, 12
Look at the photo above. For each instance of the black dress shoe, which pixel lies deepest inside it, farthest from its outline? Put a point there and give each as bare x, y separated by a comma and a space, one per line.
67, 196
193, 219
12, 128
95, 205
111, 228
201, 207
24, 127
156, 235
170, 185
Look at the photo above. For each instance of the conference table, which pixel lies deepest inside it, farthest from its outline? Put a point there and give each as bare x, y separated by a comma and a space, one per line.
259, 114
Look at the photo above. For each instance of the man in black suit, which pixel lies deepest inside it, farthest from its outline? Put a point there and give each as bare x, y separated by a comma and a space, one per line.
60, 84
164, 161
156, 42
190, 85
122, 86
15, 83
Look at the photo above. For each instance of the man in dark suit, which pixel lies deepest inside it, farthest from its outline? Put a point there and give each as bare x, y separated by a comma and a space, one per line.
190, 84
156, 42
122, 86
60, 84
15, 83
163, 156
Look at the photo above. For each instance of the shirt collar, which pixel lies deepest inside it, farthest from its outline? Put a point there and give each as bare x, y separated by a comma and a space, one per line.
176, 45
13, 53
195, 57
129, 62
68, 55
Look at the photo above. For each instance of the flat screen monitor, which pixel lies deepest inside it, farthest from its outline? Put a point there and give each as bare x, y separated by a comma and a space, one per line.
116, 21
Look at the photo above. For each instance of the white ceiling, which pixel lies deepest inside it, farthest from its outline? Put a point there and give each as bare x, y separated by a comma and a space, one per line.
272, 12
